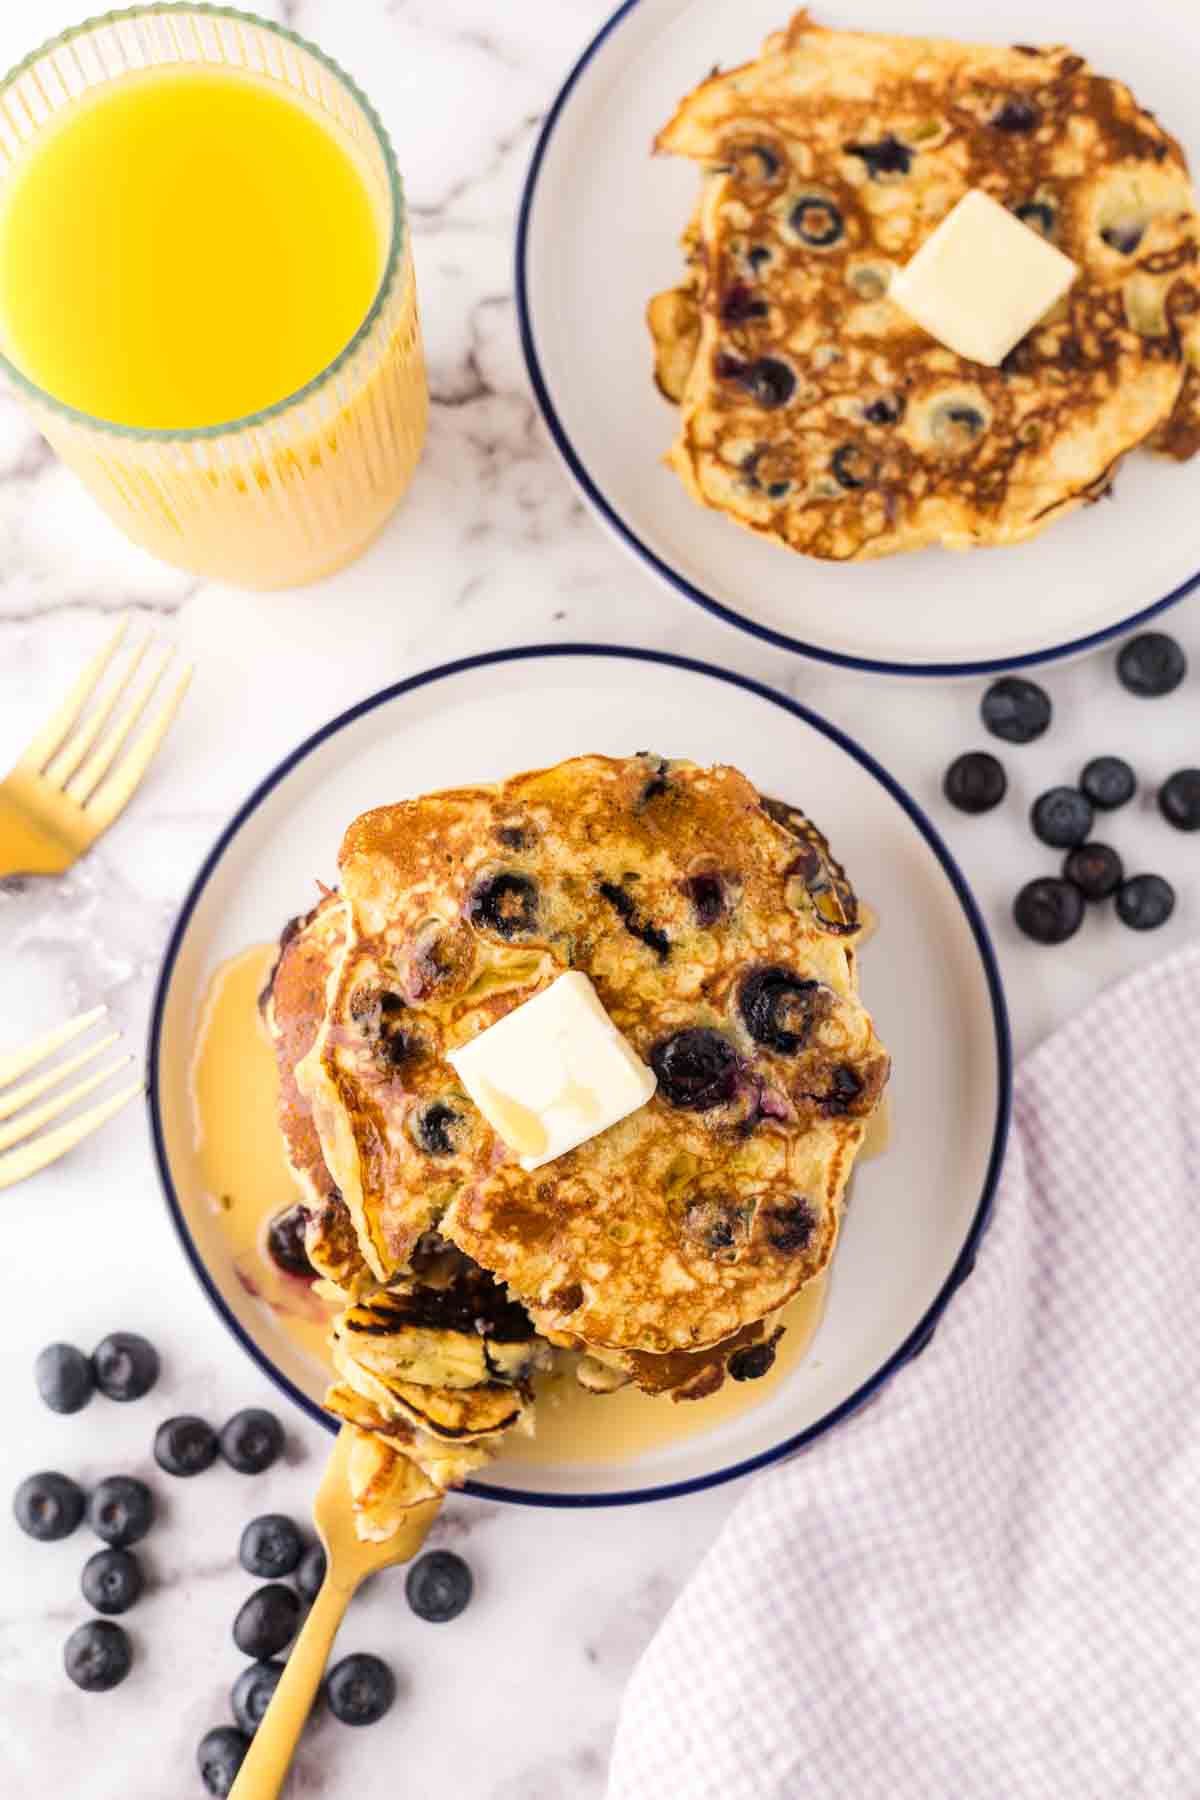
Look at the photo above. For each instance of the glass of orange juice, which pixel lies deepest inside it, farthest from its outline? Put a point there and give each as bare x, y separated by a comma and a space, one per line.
206, 289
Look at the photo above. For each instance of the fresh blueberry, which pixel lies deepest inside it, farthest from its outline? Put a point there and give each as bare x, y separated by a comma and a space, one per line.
360, 1689
64, 1377
125, 1365
48, 1506
1151, 664
220, 1755
185, 1445
696, 1069
1179, 799
975, 782
1145, 902
266, 1622
286, 1244
270, 1547
97, 1656
439, 1586
1125, 236
741, 304
311, 1572
1096, 870
506, 904
1108, 782
1016, 710
1049, 910
251, 1693
779, 1008
251, 1440
121, 1510
112, 1580
1061, 817
888, 409
816, 221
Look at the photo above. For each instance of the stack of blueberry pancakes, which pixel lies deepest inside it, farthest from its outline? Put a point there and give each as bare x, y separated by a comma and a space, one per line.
718, 934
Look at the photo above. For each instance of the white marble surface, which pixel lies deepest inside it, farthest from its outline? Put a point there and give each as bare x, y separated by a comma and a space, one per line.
515, 1701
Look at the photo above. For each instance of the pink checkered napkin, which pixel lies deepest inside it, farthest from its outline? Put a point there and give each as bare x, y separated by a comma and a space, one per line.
986, 1586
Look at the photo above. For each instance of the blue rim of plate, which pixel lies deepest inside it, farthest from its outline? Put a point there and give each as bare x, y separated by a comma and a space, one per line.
921, 1333
613, 519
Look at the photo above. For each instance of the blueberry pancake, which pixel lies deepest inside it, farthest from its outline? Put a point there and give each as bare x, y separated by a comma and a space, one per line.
719, 935
812, 410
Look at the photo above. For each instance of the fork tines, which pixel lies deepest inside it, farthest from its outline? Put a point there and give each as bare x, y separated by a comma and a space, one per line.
75, 751
34, 1071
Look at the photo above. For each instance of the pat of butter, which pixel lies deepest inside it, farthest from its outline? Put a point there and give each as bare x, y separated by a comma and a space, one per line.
982, 280
553, 1072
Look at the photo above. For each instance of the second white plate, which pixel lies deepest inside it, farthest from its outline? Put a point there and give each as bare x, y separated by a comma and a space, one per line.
598, 235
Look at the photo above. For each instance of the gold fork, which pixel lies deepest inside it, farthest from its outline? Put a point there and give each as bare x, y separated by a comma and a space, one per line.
348, 1563
65, 790
22, 1150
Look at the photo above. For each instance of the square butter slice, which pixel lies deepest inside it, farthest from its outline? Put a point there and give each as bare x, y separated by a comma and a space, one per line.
553, 1072
982, 280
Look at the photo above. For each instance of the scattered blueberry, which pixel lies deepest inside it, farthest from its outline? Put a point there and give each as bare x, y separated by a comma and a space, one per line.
1049, 910
112, 1580
311, 1572
220, 1755
121, 1510
360, 1689
1179, 800
1061, 817
285, 1242
251, 1693
975, 782
1145, 902
125, 1365
251, 1440
185, 1445
97, 1656
1096, 870
266, 1622
1108, 782
1151, 664
439, 1586
696, 1069
816, 221
887, 157
1016, 710
270, 1547
752, 1362
48, 1506
64, 1378
780, 1008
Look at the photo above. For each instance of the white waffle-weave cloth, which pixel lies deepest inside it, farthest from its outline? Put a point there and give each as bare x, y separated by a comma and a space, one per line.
986, 1585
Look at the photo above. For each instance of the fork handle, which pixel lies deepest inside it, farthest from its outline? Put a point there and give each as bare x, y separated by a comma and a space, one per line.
269, 1757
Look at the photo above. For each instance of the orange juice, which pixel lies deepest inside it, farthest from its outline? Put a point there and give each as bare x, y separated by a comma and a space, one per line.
206, 289
183, 247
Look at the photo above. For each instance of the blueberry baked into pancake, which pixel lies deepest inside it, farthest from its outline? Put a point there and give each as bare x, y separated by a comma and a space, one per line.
813, 409
717, 937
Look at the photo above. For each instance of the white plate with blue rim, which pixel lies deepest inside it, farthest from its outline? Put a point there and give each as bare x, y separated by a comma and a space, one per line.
929, 977
598, 234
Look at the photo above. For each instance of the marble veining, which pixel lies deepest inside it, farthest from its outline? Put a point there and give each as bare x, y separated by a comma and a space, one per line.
516, 1701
